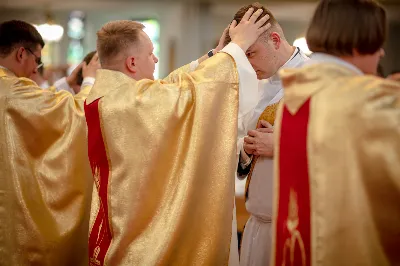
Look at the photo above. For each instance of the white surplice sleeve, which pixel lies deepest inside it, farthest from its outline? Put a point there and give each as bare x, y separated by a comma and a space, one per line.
248, 88
248, 98
62, 84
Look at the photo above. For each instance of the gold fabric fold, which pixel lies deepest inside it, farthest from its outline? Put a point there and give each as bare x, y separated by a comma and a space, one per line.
45, 178
171, 156
353, 151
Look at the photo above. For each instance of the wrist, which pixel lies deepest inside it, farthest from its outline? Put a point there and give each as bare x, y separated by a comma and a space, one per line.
69, 81
211, 53
89, 75
242, 45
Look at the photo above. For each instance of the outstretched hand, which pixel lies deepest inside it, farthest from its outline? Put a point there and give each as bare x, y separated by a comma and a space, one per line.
248, 30
72, 79
89, 70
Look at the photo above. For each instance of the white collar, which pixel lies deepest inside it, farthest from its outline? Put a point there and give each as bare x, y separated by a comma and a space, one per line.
288, 64
326, 58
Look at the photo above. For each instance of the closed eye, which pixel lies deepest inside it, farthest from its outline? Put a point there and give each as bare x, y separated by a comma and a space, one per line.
250, 54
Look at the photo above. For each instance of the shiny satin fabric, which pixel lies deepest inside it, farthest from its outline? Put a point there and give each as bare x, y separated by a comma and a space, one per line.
45, 178
353, 152
171, 155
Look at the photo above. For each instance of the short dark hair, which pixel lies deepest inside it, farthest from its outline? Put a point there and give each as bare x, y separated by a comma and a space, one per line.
15, 33
339, 26
242, 11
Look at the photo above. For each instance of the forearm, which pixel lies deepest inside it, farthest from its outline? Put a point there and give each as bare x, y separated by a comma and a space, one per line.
248, 85
208, 55
62, 84
203, 58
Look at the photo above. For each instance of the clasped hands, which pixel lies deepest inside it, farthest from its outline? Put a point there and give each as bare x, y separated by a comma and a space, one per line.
260, 142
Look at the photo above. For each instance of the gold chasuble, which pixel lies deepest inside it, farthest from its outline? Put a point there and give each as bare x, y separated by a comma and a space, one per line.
163, 154
337, 169
45, 178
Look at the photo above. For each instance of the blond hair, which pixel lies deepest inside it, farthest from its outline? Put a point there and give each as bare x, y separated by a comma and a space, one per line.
115, 37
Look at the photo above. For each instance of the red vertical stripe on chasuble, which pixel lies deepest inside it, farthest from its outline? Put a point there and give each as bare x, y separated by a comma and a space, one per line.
293, 224
100, 235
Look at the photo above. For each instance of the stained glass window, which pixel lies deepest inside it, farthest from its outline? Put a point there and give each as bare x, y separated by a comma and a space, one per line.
76, 33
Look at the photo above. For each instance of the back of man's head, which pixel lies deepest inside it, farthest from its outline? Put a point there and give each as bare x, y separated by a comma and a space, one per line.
341, 26
115, 38
15, 33
242, 11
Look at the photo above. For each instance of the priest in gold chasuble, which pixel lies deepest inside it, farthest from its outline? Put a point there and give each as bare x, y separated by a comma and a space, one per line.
45, 178
337, 170
163, 153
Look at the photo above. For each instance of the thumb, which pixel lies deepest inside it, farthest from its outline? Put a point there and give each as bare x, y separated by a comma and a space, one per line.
264, 124
95, 58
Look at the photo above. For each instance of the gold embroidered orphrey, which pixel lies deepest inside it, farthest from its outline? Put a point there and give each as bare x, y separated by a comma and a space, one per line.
96, 177
94, 260
295, 236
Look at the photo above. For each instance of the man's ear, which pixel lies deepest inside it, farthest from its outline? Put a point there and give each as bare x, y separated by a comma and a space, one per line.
276, 40
19, 55
130, 63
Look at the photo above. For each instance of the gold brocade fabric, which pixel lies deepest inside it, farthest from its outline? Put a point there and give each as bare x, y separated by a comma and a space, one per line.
353, 148
171, 148
267, 115
45, 179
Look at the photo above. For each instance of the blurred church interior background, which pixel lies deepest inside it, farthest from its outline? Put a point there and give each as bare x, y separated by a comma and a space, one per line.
182, 30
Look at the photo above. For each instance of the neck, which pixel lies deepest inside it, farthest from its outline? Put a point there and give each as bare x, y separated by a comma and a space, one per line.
40, 80
4, 62
120, 68
285, 52
354, 61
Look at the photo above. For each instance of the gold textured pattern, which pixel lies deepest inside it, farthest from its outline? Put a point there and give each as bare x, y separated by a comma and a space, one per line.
45, 178
268, 115
295, 235
353, 149
172, 152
